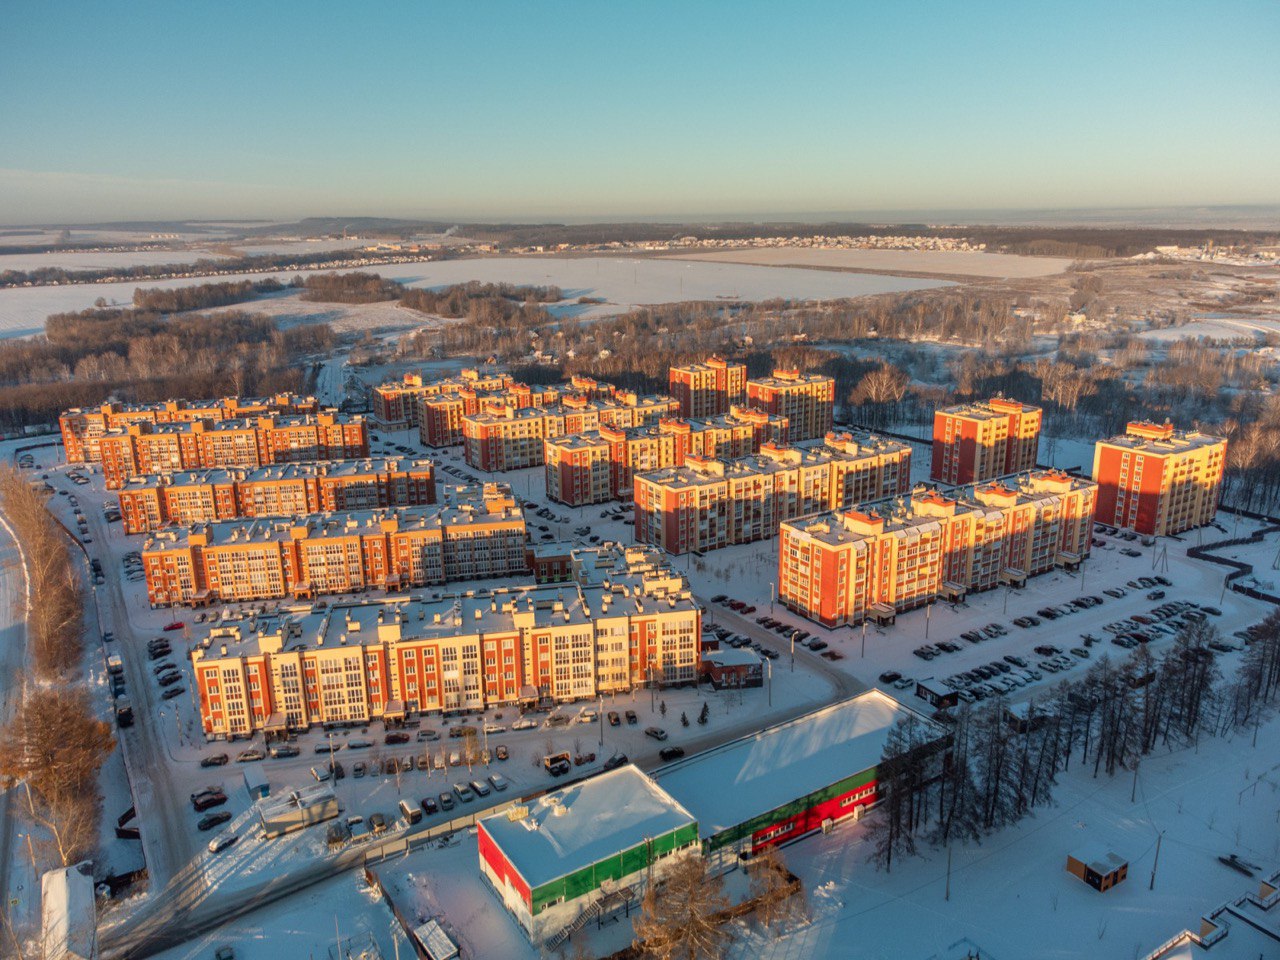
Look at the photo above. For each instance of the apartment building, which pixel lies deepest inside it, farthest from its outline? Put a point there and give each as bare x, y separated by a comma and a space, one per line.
294, 489
148, 448
880, 559
707, 389
973, 442
625, 620
807, 400
395, 404
706, 504
738, 433
1158, 481
81, 428
326, 553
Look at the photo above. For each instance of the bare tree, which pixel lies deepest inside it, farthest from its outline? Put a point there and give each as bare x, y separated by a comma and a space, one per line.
776, 892
680, 918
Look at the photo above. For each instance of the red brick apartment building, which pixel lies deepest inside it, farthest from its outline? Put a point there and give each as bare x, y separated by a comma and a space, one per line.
876, 561
328, 553
600, 465
625, 620
706, 504
707, 389
81, 428
147, 447
294, 489
807, 400
395, 404
1158, 481
973, 442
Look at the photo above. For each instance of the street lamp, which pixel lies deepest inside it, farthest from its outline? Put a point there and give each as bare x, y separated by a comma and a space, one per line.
768, 665
773, 596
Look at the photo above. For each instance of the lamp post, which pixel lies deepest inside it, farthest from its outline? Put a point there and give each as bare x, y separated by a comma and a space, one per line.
768, 665
600, 717
864, 637
773, 596
928, 616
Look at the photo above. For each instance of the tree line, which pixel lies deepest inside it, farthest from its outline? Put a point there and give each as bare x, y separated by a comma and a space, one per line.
1108, 721
205, 296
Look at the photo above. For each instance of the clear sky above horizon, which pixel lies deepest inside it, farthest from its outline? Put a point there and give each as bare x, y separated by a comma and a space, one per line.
148, 110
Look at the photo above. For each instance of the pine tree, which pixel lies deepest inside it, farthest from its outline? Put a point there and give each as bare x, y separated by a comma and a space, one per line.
705, 713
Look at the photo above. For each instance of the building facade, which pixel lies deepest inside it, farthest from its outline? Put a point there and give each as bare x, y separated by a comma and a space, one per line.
295, 489
81, 428
152, 448
876, 561
973, 442
330, 553
395, 404
625, 620
707, 389
707, 504
1159, 481
807, 400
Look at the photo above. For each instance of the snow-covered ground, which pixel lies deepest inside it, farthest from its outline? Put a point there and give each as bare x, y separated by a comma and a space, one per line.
946, 262
1217, 326
623, 283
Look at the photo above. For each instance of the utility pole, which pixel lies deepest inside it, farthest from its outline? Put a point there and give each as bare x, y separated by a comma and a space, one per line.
793, 653
1133, 794
948, 893
768, 664
773, 596
600, 717
864, 637
1155, 863
928, 616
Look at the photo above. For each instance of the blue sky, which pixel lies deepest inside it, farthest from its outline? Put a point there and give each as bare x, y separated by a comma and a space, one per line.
563, 110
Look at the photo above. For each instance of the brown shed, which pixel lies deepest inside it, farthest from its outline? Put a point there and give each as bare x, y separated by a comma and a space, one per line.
1097, 866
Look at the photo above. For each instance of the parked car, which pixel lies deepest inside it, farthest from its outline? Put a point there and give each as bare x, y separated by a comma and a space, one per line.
524, 723
173, 692
501, 752
657, 733
617, 760
250, 756
464, 792
207, 798
395, 737
446, 801
614, 719
220, 843
889, 676
481, 790
631, 717
176, 625
211, 820
671, 753
500, 783
216, 760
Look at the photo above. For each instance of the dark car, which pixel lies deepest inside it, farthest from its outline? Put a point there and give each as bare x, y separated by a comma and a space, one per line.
208, 798
446, 801
429, 805
217, 760
614, 719
889, 676
173, 692
155, 653
671, 753
169, 679
617, 760
392, 738
501, 752
631, 716
209, 821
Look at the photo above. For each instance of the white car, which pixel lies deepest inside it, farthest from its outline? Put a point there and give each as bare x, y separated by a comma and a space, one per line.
222, 841
524, 723
494, 728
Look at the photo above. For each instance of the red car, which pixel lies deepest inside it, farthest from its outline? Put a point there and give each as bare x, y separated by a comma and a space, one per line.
176, 625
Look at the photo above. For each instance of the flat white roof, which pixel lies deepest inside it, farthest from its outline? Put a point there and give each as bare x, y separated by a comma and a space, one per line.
70, 919
745, 778
585, 823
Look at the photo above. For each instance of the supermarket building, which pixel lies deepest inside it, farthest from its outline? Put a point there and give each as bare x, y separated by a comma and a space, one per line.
792, 779
582, 851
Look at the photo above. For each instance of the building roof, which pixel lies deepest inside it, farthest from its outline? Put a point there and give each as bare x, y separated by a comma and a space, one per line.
69, 914
731, 657
583, 824
1160, 439
281, 471
742, 779
994, 409
1098, 857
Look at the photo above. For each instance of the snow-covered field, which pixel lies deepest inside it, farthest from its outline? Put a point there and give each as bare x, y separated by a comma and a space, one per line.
102, 259
1217, 327
623, 283
943, 262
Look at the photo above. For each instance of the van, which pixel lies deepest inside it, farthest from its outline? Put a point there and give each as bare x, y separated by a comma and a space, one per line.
410, 813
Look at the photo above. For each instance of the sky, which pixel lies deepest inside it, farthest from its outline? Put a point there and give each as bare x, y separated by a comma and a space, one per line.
493, 110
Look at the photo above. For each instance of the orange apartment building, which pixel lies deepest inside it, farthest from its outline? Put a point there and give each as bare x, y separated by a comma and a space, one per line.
286, 490
973, 442
505, 437
395, 404
1158, 481
146, 448
707, 504
876, 561
707, 389
328, 553
807, 400
625, 620
601, 465
82, 428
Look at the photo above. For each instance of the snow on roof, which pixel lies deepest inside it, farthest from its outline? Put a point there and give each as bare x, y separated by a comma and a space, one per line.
729, 657
583, 824
745, 778
435, 941
69, 914
1097, 857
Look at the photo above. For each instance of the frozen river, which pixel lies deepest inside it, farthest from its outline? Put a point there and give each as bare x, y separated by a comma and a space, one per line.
623, 283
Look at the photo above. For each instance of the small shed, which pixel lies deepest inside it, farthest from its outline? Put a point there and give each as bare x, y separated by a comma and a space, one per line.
434, 943
732, 668
255, 781
69, 918
1097, 866
936, 694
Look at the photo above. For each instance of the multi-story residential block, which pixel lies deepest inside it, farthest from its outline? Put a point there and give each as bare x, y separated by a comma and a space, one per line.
738, 433
395, 403
625, 620
81, 428
1158, 481
973, 442
807, 400
706, 504
878, 560
707, 389
295, 489
327, 553
146, 448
